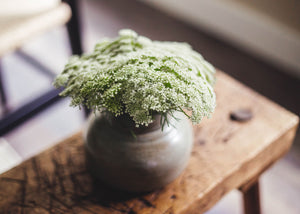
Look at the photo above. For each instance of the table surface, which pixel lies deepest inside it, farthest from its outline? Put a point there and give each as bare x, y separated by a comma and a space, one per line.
15, 31
227, 155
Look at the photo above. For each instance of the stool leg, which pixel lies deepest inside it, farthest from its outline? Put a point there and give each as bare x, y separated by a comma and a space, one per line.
251, 200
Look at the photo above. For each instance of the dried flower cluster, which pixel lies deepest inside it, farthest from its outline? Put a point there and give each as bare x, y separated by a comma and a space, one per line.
134, 75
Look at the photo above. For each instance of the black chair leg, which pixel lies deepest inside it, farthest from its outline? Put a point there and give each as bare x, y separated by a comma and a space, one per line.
86, 111
20, 115
73, 27
2, 92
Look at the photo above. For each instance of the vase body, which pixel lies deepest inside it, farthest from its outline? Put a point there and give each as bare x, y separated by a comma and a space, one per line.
137, 160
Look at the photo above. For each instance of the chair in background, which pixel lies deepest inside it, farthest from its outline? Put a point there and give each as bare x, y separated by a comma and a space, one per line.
15, 32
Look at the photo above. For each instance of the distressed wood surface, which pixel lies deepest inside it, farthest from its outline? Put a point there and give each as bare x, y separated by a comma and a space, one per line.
14, 31
227, 155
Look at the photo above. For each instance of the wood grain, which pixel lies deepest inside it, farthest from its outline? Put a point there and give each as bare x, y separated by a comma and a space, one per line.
227, 155
15, 31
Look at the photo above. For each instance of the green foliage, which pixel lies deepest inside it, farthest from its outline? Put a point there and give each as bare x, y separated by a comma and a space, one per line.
134, 75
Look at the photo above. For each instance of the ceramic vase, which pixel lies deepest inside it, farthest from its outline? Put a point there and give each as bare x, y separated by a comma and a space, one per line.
137, 159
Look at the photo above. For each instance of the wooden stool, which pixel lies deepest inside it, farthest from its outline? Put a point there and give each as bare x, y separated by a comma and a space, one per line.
227, 155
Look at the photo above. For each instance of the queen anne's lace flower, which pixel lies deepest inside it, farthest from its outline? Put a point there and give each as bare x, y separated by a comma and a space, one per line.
134, 75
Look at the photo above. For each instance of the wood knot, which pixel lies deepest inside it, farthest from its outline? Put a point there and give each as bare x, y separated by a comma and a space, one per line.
241, 115
173, 197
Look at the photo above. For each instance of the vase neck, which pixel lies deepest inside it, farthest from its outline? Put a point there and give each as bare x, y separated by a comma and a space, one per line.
126, 123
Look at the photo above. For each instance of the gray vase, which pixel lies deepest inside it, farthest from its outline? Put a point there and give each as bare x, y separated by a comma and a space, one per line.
137, 159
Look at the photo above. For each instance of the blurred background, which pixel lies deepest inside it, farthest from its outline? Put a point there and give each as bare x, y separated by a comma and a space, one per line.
255, 41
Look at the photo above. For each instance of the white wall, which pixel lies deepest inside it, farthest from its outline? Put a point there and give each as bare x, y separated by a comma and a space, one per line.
241, 26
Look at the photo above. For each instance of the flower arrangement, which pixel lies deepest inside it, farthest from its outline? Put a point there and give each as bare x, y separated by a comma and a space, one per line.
139, 77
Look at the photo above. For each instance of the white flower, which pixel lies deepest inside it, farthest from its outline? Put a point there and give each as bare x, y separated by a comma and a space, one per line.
132, 74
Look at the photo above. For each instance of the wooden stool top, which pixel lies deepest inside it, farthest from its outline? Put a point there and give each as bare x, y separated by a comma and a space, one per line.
227, 155
14, 31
